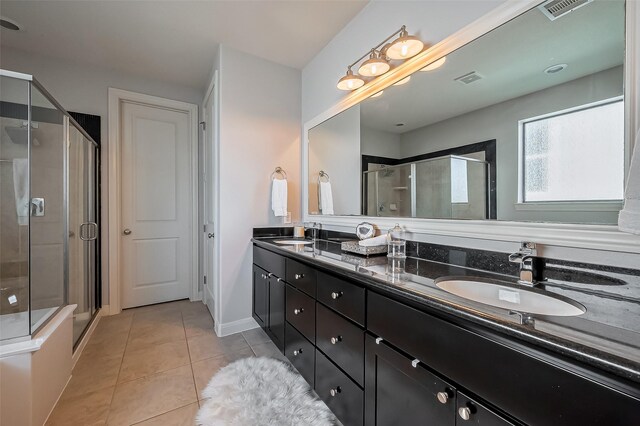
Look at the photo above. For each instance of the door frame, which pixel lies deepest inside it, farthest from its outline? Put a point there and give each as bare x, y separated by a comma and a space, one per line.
116, 97
213, 126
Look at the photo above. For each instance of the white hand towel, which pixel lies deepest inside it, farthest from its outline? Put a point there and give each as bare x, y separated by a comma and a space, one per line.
326, 198
21, 189
375, 241
279, 197
629, 219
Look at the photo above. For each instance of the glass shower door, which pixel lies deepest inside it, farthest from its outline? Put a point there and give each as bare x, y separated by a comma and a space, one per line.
83, 229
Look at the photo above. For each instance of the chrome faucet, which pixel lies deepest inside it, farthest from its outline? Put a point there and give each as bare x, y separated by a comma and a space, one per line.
315, 228
525, 257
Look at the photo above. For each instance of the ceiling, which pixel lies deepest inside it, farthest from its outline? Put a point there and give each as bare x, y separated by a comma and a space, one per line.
511, 61
174, 41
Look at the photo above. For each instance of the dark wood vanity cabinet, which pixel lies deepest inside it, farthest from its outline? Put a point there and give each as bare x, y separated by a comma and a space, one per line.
400, 391
377, 361
260, 296
269, 294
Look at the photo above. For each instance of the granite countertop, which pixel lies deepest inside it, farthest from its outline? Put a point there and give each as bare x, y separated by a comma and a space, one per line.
606, 336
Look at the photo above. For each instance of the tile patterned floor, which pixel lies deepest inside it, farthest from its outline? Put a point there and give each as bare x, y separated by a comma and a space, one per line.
149, 366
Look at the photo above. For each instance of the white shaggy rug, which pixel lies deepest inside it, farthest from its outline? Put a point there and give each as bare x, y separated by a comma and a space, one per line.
261, 391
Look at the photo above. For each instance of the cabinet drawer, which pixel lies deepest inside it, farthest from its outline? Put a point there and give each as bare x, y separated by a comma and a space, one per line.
400, 393
302, 277
301, 312
269, 261
477, 414
339, 392
301, 353
342, 341
497, 372
341, 296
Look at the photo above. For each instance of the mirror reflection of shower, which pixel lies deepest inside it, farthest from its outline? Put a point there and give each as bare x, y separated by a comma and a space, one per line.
448, 187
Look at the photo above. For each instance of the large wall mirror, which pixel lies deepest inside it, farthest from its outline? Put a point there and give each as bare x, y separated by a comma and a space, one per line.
525, 123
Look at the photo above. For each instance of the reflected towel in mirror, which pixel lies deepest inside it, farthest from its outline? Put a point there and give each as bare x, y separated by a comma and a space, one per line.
21, 189
326, 198
279, 197
629, 219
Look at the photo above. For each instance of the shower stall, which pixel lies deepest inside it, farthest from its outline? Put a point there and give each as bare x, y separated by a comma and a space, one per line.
49, 227
448, 187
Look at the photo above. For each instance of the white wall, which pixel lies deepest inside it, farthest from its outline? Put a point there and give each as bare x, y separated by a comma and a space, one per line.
334, 147
259, 130
84, 89
379, 143
500, 122
432, 21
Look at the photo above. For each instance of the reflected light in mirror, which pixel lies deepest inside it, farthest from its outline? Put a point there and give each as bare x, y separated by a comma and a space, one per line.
435, 65
378, 94
403, 81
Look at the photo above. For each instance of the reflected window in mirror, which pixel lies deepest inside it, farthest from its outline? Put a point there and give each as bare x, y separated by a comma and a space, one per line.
574, 155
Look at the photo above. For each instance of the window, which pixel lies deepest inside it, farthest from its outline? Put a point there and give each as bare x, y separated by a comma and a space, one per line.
574, 156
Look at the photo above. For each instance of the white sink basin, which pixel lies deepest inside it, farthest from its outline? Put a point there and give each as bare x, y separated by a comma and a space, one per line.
293, 242
512, 297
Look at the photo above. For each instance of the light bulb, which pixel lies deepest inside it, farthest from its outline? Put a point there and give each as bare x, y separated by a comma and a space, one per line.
404, 50
374, 69
350, 84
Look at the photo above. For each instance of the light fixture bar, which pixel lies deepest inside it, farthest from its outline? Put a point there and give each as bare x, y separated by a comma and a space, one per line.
403, 28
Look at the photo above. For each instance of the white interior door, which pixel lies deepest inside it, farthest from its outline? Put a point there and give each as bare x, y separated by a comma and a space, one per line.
156, 208
209, 192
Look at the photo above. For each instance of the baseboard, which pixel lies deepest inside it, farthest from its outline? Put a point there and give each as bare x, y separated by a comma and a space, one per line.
208, 300
86, 337
105, 310
234, 327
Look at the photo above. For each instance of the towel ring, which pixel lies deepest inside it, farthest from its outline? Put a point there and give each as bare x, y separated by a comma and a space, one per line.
323, 174
279, 170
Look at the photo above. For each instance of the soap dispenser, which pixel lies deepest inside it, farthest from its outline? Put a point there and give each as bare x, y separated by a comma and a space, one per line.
397, 243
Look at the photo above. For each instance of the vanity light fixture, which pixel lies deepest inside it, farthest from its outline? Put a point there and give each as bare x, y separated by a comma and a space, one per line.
350, 81
377, 94
403, 47
435, 65
374, 66
403, 81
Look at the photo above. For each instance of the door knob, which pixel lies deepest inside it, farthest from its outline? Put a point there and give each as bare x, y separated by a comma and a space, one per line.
443, 397
127, 231
210, 235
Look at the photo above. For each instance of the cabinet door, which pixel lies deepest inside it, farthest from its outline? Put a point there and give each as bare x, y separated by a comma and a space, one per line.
260, 296
397, 393
276, 310
471, 412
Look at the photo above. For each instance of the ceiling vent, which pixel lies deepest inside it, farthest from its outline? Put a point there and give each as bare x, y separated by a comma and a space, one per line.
468, 78
554, 9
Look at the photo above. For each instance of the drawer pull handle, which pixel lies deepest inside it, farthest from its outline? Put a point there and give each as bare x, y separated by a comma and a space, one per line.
443, 397
270, 275
379, 340
264, 277
335, 295
464, 413
299, 276
335, 340
335, 391
415, 363
298, 311
298, 352
279, 279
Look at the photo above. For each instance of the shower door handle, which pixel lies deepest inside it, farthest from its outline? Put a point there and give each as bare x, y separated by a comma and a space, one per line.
82, 234
127, 231
87, 236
